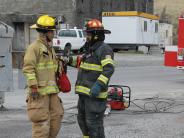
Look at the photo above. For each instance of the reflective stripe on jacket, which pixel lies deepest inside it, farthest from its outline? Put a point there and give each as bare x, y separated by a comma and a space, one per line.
86, 91
95, 66
40, 66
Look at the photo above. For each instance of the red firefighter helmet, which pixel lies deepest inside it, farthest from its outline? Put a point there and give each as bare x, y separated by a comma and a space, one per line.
96, 25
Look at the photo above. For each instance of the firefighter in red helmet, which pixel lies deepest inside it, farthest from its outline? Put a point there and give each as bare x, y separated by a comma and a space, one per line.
94, 73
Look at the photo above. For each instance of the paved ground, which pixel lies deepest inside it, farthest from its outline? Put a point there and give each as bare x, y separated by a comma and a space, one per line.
156, 110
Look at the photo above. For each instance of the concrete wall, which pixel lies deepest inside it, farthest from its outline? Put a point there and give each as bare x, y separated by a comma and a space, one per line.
165, 35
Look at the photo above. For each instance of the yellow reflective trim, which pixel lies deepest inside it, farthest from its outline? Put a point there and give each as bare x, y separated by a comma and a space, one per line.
89, 66
85, 90
74, 62
85, 136
40, 66
103, 95
30, 76
103, 78
107, 61
48, 65
50, 83
82, 89
48, 90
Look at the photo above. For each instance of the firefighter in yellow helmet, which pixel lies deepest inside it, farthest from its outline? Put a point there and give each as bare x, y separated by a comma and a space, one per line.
94, 73
44, 106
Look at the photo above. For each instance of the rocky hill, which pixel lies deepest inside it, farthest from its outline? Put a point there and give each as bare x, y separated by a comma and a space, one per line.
170, 10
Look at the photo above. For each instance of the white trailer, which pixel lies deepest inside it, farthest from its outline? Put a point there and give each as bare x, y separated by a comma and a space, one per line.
130, 29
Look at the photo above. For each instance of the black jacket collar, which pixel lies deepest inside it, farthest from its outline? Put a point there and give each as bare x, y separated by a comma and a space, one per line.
96, 45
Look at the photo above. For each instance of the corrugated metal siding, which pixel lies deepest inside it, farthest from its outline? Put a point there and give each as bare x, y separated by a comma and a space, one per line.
6, 73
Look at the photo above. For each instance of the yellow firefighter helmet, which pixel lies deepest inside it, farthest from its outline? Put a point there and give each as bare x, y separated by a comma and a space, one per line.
45, 22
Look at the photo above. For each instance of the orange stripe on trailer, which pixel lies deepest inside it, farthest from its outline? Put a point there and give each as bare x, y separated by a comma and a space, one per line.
131, 13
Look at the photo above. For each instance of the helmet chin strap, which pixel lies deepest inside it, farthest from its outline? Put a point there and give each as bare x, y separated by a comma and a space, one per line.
48, 41
94, 39
47, 38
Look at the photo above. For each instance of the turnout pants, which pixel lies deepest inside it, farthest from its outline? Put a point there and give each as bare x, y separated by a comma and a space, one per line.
90, 116
45, 113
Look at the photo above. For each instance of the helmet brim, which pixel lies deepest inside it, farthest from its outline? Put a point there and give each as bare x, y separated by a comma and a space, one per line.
105, 31
35, 26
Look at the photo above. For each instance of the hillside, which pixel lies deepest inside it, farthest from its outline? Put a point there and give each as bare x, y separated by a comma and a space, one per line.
174, 8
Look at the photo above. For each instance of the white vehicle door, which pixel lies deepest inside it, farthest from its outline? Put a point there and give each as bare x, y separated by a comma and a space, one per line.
74, 39
81, 38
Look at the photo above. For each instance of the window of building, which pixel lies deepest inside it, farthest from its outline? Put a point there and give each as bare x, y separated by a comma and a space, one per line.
156, 27
166, 33
111, 4
145, 26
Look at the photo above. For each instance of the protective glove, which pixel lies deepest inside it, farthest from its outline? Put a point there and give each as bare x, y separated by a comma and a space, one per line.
64, 59
34, 92
79, 59
96, 89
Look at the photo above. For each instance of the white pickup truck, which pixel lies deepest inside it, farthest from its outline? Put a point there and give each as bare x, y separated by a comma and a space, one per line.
73, 38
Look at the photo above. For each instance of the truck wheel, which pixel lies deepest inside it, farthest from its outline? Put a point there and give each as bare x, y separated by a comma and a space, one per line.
115, 50
75, 51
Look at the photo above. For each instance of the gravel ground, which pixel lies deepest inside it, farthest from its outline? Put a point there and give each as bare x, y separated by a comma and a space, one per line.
158, 113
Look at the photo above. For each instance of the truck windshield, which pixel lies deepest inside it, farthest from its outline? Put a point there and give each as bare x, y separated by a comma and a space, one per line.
67, 33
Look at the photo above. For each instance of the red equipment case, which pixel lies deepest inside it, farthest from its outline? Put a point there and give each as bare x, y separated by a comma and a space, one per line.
174, 55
